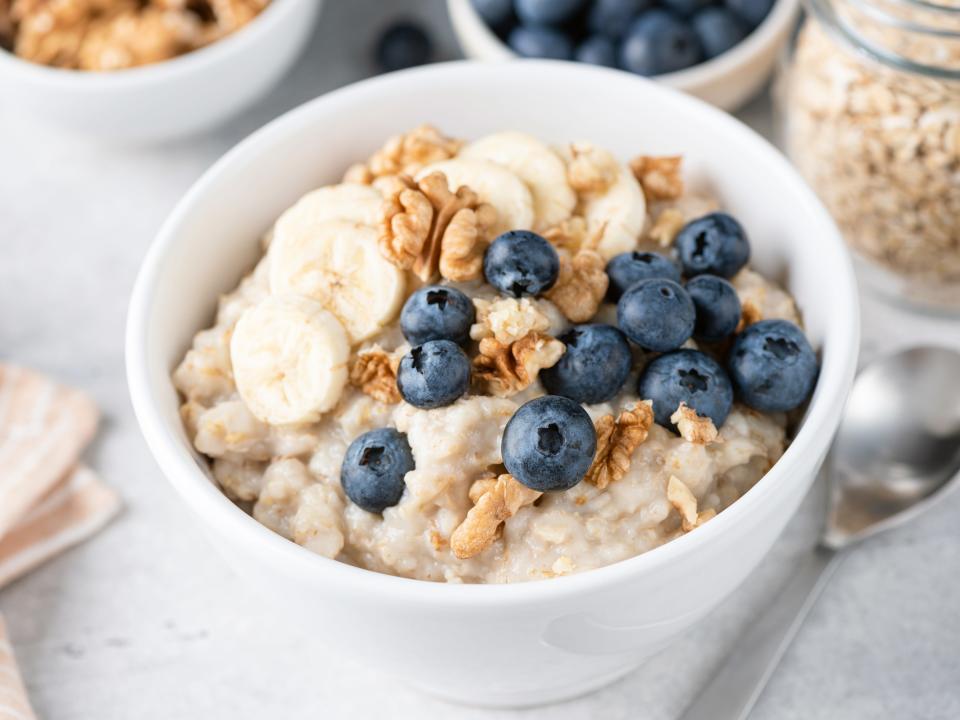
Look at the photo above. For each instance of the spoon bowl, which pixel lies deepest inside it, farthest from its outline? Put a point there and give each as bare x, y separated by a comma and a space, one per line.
898, 444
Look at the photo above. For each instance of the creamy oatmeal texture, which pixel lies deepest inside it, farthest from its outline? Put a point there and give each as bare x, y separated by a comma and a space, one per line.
647, 486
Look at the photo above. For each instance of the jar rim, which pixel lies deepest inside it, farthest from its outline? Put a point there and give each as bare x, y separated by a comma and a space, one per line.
843, 30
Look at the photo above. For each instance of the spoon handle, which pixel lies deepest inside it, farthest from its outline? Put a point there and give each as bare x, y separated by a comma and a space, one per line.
737, 685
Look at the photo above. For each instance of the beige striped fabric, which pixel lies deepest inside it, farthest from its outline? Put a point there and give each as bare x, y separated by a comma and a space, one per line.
43, 429
47, 501
13, 696
71, 512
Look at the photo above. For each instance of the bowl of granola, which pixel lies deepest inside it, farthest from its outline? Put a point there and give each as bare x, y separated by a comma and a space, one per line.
126, 71
443, 397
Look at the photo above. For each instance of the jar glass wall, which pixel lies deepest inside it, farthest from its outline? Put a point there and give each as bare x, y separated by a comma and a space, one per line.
870, 110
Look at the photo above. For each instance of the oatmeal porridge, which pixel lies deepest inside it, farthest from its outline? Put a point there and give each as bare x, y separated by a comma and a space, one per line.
496, 361
116, 34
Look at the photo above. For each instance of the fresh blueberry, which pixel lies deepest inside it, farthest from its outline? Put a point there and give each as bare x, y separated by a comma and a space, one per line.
629, 268
374, 467
433, 374
715, 244
546, 12
718, 30
685, 8
549, 443
772, 366
520, 262
597, 50
718, 307
436, 312
687, 376
594, 367
657, 314
403, 45
613, 17
659, 42
752, 12
535, 41
495, 13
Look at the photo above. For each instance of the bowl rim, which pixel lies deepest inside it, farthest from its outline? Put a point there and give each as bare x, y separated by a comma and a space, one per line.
780, 17
171, 69
838, 364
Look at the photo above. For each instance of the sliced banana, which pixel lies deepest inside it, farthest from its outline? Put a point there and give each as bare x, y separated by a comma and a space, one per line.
618, 214
338, 264
537, 165
493, 184
346, 201
289, 357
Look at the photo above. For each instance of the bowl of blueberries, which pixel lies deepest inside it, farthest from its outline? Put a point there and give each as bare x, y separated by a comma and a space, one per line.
722, 51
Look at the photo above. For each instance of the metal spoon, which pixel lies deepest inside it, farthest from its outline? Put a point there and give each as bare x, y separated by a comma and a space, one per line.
897, 451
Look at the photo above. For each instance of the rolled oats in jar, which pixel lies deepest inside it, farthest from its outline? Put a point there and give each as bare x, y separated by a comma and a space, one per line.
870, 104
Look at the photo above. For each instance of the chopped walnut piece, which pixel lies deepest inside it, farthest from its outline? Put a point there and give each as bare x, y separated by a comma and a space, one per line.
749, 314
503, 370
591, 169
581, 285
406, 154
665, 228
427, 228
660, 177
616, 441
375, 373
685, 503
495, 502
570, 235
507, 319
694, 428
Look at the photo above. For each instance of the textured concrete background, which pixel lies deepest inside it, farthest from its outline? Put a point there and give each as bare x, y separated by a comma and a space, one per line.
146, 622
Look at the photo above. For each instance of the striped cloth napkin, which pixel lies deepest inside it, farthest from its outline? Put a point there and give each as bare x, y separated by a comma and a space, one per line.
48, 502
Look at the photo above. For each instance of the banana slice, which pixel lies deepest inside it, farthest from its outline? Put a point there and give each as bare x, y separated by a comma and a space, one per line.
338, 264
346, 201
619, 214
493, 184
289, 358
537, 165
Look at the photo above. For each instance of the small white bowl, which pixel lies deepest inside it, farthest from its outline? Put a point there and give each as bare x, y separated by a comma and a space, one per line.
522, 643
171, 98
727, 81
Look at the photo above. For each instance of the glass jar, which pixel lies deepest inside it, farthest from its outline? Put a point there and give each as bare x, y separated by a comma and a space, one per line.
869, 106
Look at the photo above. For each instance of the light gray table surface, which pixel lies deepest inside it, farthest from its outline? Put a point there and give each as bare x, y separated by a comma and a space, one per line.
145, 621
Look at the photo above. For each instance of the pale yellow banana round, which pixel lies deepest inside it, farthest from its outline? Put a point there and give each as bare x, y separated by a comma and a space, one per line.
493, 184
619, 214
537, 165
346, 201
289, 357
338, 264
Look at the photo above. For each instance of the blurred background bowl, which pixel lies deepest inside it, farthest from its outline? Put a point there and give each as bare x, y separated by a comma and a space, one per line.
727, 81
171, 98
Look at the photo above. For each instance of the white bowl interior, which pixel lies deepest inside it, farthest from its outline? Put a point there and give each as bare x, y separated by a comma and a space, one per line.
211, 240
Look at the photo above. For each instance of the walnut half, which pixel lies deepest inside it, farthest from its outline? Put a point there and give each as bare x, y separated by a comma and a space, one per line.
495, 501
375, 373
660, 177
581, 285
405, 154
503, 370
616, 441
429, 229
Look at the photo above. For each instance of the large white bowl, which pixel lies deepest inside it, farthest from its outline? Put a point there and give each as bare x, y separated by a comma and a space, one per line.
727, 81
492, 644
170, 98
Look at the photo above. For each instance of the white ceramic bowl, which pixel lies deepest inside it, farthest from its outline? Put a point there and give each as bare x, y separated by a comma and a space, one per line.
171, 98
491, 644
727, 81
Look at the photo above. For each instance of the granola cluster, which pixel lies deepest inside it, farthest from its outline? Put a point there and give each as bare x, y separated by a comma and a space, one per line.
882, 148
117, 34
